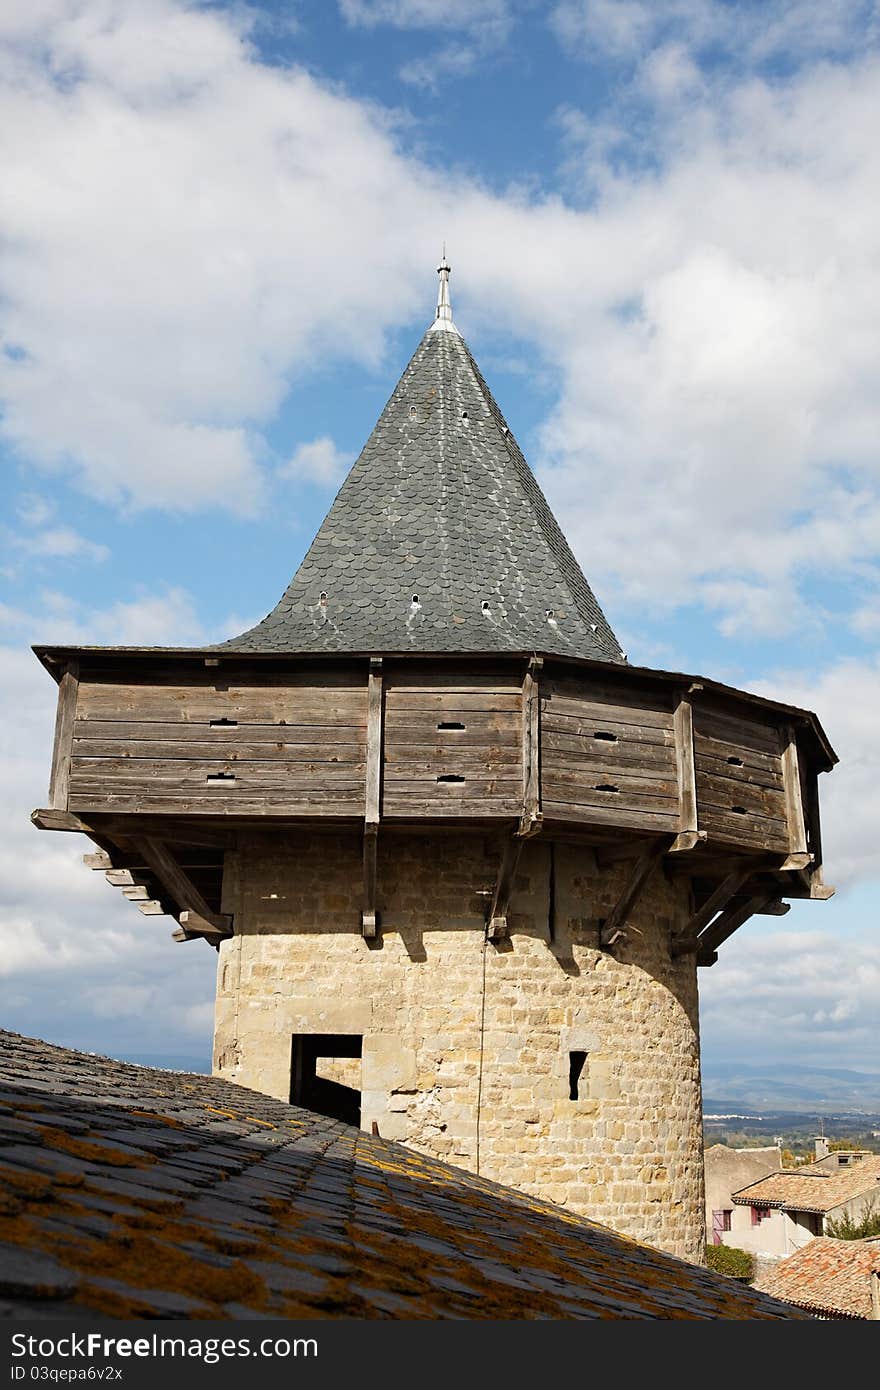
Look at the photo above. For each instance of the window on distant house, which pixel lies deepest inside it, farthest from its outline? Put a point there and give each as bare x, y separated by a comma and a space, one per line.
725, 1220
760, 1214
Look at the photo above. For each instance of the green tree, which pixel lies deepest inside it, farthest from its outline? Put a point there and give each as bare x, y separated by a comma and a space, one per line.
846, 1228
727, 1259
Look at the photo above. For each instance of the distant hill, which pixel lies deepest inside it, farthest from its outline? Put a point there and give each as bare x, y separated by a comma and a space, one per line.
738, 1086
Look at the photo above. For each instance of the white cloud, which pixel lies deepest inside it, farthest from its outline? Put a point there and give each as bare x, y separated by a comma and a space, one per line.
803, 991
182, 245
427, 14
73, 950
745, 33
61, 542
318, 461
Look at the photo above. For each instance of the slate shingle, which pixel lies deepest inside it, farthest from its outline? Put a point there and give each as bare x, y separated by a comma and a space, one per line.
440, 505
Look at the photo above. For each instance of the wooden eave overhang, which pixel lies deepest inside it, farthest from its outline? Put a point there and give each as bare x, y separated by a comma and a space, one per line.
55, 658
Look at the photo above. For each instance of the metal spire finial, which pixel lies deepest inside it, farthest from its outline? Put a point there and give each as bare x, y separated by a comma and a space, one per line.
443, 317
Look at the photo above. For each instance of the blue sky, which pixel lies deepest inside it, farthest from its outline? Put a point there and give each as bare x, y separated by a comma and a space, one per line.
217, 254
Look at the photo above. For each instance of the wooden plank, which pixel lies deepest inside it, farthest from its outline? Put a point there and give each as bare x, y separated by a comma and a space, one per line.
178, 884
413, 762
736, 730
793, 802
399, 700
627, 817
722, 760
496, 920
193, 771
136, 894
267, 803
190, 732
596, 776
599, 714
582, 749
683, 728
723, 794
151, 907
65, 717
748, 831
615, 924
219, 750
200, 704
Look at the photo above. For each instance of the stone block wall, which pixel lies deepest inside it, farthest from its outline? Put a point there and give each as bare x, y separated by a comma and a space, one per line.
466, 1045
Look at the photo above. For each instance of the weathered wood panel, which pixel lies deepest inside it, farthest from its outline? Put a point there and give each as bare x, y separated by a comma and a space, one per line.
453, 745
608, 756
215, 747
740, 788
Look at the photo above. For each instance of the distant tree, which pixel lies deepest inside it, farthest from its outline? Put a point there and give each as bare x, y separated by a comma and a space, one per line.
727, 1259
845, 1228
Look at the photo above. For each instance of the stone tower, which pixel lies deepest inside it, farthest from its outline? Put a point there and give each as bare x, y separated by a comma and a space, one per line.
460, 860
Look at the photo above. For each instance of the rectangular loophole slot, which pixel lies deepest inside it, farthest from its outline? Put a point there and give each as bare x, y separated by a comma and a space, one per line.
739, 810
576, 1063
449, 777
605, 735
321, 1074
223, 724
215, 779
605, 787
450, 724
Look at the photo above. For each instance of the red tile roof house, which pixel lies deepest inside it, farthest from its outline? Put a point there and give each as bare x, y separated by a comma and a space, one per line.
783, 1212
830, 1278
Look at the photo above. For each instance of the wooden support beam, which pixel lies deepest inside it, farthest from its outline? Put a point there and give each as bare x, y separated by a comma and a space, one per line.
138, 893
727, 888
372, 795
532, 816
615, 923
496, 922
729, 921
197, 925
151, 907
100, 859
124, 878
178, 885
59, 780
369, 914
774, 908
686, 840
791, 781
683, 729
49, 818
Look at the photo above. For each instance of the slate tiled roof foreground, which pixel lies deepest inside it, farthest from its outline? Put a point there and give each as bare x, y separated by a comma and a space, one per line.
131, 1192
813, 1189
830, 1276
440, 505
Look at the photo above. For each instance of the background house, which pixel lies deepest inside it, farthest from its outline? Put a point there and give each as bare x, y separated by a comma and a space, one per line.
784, 1211
831, 1278
727, 1170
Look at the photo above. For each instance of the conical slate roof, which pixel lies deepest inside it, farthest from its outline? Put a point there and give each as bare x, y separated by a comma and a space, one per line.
440, 539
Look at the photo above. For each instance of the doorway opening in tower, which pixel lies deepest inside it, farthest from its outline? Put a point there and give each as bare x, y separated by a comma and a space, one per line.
325, 1074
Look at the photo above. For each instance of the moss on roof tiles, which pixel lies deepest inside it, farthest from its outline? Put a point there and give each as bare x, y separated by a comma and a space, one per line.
294, 1215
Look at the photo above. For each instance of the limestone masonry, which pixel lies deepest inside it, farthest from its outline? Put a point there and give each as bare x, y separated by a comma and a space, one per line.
627, 1151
